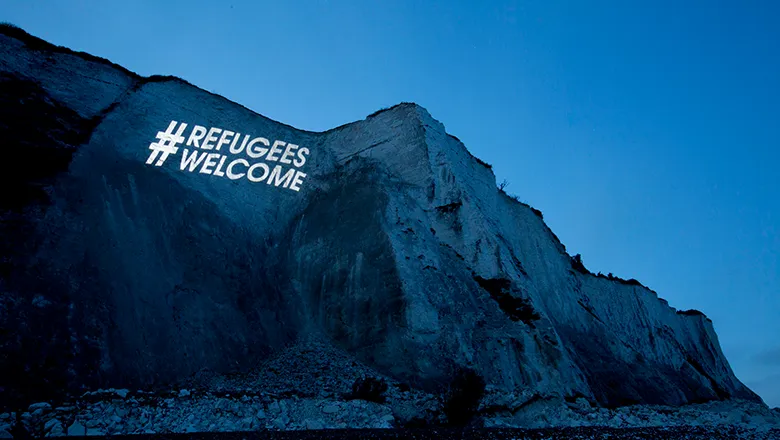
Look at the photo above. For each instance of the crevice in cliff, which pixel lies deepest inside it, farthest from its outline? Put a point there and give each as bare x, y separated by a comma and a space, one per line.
590, 311
450, 215
516, 308
372, 146
719, 391
515, 261
449, 208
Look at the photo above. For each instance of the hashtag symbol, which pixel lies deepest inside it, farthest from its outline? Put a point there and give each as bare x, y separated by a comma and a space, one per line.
167, 143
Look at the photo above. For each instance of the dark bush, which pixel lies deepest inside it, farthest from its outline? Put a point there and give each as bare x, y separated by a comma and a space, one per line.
370, 389
463, 397
691, 312
482, 162
377, 112
160, 78
576, 264
389, 108
609, 276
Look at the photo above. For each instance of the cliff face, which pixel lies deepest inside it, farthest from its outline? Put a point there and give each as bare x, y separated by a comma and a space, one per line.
385, 234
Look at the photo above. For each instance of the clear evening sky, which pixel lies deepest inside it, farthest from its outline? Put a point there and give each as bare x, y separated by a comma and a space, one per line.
647, 132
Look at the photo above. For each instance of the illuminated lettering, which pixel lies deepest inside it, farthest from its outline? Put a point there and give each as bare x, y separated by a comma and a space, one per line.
223, 139
289, 151
233, 176
197, 134
218, 172
254, 166
278, 178
275, 150
297, 180
211, 160
243, 144
251, 176
211, 137
193, 160
301, 158
258, 152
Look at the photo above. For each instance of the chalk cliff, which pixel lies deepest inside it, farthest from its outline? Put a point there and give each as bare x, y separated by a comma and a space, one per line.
397, 245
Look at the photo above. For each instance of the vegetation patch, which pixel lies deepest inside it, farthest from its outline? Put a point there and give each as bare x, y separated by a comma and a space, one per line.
609, 276
501, 188
690, 312
482, 162
388, 108
377, 112
450, 207
576, 264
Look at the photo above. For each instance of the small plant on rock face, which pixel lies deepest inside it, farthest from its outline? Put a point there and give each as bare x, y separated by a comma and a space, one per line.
370, 389
576, 264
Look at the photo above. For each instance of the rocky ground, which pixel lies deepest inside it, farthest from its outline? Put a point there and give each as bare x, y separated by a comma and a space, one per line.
303, 393
119, 412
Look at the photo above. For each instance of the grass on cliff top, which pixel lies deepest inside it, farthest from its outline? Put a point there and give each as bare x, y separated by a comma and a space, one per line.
389, 108
34, 43
517, 199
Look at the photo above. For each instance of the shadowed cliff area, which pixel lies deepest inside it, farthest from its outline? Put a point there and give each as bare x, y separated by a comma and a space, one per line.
395, 244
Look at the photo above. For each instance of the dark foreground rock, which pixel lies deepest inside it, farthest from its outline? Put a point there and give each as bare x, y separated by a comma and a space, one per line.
594, 433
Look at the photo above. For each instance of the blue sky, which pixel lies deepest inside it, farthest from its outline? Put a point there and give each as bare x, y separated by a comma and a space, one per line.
646, 131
